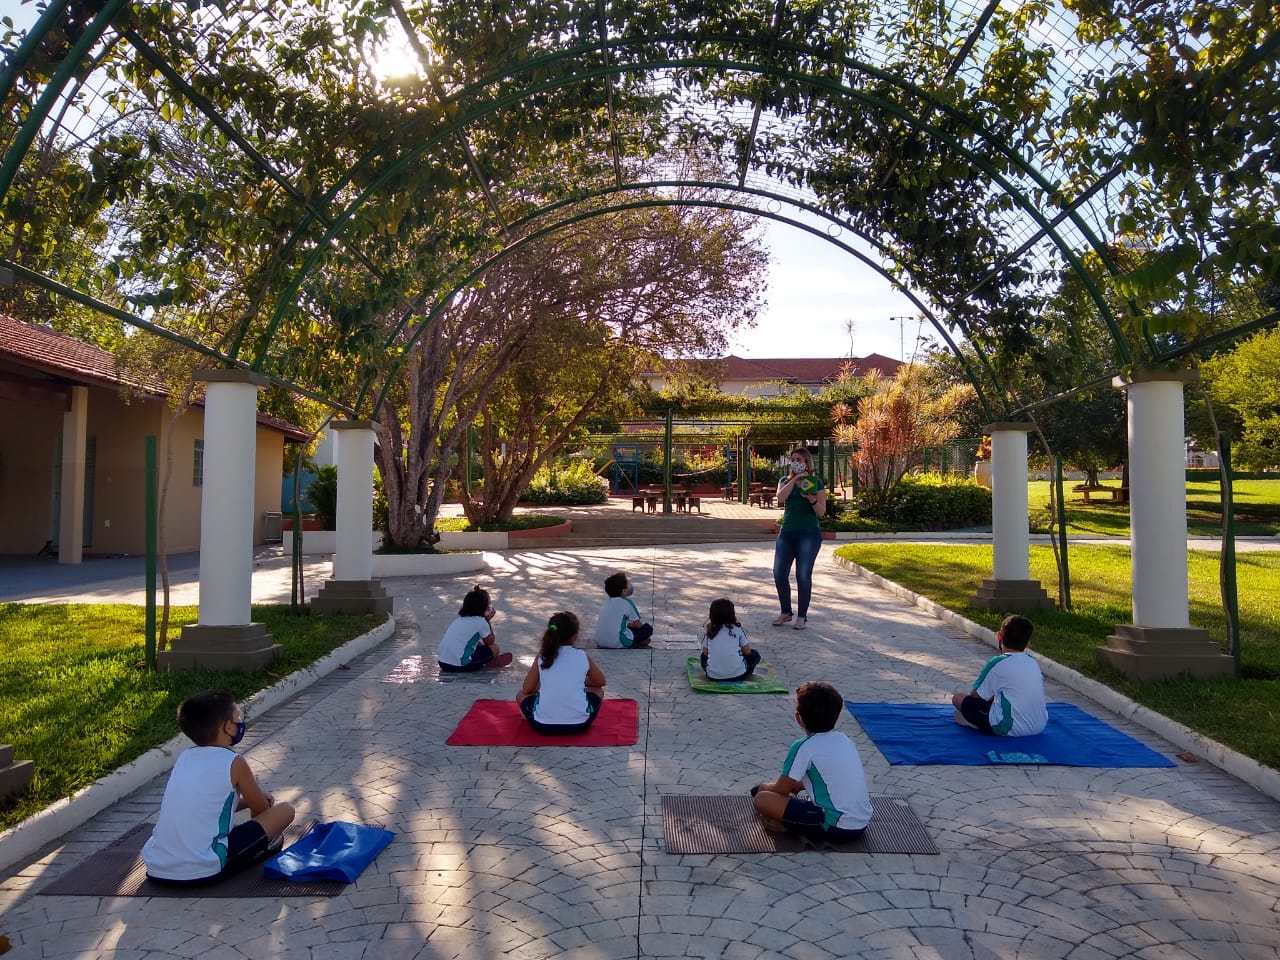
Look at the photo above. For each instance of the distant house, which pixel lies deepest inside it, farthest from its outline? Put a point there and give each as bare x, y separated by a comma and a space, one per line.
769, 378
65, 426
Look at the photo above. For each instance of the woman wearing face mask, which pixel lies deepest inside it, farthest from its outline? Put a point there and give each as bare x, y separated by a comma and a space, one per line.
803, 497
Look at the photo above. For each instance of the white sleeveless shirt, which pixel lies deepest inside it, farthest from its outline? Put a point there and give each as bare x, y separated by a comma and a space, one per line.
562, 695
190, 838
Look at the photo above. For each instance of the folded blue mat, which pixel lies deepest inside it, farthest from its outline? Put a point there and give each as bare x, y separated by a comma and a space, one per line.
926, 733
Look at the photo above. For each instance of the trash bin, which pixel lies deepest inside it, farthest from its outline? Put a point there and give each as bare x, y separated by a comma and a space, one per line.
272, 527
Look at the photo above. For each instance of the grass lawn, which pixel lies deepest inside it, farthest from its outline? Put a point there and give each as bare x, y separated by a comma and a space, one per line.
76, 698
1257, 509
1244, 714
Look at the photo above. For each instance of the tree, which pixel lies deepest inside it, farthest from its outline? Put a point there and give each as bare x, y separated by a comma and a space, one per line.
896, 423
1244, 385
556, 333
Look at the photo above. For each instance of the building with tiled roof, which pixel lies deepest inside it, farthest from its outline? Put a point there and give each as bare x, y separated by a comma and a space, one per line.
72, 418
770, 377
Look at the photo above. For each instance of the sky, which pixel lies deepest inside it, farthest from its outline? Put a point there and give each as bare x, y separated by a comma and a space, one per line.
814, 289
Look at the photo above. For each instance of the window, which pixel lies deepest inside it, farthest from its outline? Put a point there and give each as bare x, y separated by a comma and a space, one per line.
197, 465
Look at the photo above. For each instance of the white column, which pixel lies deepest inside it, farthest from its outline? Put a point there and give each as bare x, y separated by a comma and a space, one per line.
1010, 527
353, 559
75, 442
1158, 497
226, 498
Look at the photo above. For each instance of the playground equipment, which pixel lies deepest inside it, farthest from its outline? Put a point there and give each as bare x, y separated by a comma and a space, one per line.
626, 468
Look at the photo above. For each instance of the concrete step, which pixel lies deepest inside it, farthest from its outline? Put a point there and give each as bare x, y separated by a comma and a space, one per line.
14, 775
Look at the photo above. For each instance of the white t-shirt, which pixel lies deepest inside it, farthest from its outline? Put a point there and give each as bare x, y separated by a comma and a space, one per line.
562, 695
1015, 686
611, 627
461, 639
724, 652
190, 838
829, 767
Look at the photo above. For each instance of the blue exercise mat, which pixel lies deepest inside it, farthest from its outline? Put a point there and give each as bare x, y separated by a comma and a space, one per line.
926, 733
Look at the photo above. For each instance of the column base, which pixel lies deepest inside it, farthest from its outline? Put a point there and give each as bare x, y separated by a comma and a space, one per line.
1012, 595
244, 648
14, 774
352, 596
1154, 653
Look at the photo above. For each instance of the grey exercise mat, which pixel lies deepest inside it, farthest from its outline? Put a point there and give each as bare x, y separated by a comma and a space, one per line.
731, 825
118, 871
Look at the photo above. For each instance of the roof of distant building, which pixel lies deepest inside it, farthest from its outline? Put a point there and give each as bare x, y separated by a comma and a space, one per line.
62, 357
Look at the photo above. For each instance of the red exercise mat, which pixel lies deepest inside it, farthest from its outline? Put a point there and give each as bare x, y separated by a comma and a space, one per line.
499, 723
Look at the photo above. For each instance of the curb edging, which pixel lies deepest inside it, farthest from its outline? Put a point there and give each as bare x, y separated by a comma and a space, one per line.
1262, 778
44, 827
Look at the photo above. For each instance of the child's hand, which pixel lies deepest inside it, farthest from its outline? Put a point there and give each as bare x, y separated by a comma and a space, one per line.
489, 613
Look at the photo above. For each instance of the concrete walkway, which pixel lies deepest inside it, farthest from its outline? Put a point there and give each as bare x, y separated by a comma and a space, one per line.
557, 852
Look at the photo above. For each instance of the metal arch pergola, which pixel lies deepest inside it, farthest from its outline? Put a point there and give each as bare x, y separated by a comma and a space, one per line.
1053, 219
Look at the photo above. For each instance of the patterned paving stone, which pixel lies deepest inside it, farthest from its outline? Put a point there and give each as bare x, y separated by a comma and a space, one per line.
551, 852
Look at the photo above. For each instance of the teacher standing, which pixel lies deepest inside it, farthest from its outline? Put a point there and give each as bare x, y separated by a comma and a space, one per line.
803, 497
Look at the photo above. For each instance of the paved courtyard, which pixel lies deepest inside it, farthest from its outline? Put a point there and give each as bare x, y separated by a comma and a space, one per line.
558, 852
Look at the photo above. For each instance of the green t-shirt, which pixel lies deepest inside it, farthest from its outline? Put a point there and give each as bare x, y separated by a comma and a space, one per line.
797, 512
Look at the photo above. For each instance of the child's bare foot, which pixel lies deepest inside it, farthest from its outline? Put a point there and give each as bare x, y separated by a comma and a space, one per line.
501, 660
772, 825
959, 718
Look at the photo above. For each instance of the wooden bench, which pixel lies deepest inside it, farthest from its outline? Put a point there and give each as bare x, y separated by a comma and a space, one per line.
1117, 494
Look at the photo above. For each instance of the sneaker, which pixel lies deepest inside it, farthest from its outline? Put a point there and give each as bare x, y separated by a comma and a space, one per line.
781, 618
799, 624
501, 660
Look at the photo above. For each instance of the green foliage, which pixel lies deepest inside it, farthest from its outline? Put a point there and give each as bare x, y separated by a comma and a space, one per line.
76, 697
322, 493
1257, 509
1237, 713
928, 501
1244, 384
568, 483
518, 521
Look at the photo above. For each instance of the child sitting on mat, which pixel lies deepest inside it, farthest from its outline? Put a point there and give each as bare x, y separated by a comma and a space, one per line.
726, 652
1007, 699
564, 688
619, 624
194, 841
822, 792
469, 642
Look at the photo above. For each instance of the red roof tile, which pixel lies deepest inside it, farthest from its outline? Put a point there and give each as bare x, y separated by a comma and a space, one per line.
62, 356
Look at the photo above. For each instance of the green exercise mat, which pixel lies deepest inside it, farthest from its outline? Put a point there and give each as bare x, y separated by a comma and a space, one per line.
762, 681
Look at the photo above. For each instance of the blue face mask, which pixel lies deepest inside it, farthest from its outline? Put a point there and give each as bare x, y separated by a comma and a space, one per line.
239, 734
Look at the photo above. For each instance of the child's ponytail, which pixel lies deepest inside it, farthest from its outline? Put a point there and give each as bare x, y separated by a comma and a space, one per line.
561, 631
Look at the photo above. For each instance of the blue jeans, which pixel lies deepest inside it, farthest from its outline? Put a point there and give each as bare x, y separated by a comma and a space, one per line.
801, 548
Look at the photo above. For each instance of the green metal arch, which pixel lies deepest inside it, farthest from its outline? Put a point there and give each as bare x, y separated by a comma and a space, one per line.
463, 120
732, 188
512, 248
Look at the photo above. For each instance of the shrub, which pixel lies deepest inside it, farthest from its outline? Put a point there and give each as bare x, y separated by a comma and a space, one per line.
930, 502
569, 484
323, 494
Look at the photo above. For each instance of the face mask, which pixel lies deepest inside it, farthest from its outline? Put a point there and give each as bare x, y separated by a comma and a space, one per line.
239, 734
797, 466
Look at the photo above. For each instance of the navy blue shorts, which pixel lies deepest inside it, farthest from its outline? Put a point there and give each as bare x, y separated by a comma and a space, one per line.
807, 818
558, 729
977, 711
246, 845
482, 655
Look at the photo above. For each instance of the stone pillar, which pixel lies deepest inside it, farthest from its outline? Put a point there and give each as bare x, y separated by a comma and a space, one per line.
1161, 641
75, 443
224, 638
1011, 586
352, 589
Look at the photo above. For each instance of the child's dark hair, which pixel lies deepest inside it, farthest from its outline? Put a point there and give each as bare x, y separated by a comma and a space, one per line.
1015, 632
615, 583
475, 603
202, 714
819, 705
561, 630
721, 615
